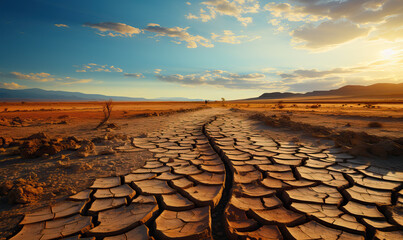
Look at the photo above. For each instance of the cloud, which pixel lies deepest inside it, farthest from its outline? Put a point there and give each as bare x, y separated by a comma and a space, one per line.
61, 25
274, 22
247, 77
229, 37
327, 34
70, 81
37, 77
373, 19
291, 13
134, 75
157, 70
11, 85
93, 67
316, 84
114, 29
315, 73
268, 70
219, 78
367, 73
236, 8
179, 34
188, 3
43, 77
298, 80
358, 11
391, 29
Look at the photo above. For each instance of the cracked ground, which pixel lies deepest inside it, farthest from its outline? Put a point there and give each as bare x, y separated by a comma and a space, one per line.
213, 175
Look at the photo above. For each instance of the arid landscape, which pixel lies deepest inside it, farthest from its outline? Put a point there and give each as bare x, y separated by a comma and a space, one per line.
201, 120
251, 168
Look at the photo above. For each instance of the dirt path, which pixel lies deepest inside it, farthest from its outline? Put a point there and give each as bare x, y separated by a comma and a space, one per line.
213, 175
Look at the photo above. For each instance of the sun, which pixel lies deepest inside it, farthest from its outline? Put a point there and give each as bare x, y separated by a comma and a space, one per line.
388, 53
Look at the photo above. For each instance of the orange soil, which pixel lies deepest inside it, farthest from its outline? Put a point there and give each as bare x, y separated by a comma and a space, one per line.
336, 115
88, 110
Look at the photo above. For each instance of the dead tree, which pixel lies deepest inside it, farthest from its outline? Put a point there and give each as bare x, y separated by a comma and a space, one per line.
107, 113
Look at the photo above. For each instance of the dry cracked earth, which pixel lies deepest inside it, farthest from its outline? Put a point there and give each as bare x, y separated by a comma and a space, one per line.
214, 177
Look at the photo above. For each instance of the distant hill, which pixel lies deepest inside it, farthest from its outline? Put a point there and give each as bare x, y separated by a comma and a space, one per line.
36, 94
379, 89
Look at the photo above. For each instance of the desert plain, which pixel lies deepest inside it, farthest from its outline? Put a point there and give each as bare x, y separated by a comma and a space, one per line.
316, 169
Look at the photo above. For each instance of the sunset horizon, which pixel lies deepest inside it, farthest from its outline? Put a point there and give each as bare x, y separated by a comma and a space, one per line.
209, 49
201, 119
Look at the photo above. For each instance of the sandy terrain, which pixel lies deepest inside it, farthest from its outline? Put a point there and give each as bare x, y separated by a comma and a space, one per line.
58, 118
340, 116
179, 142
65, 173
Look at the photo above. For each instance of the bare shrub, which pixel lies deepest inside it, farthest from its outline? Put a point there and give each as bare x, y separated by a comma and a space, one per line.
142, 135
280, 105
374, 125
63, 116
107, 109
368, 105
257, 116
285, 118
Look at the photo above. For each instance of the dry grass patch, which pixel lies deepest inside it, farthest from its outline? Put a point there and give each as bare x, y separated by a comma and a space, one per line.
374, 125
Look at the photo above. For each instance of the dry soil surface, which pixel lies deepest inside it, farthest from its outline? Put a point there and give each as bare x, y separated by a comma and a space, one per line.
217, 174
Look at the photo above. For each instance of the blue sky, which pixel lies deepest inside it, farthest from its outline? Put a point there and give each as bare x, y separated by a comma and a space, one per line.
199, 49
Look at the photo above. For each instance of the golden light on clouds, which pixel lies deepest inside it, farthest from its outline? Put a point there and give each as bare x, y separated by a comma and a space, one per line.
388, 53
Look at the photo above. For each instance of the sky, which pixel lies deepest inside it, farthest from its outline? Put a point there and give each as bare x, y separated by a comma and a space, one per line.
204, 49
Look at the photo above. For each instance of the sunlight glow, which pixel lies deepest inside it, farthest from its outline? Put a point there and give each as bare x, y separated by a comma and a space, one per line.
388, 53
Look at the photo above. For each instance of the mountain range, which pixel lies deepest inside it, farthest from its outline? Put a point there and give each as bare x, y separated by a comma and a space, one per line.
379, 89
349, 91
36, 94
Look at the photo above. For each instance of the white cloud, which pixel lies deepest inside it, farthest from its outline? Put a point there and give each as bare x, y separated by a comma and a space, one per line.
268, 70
61, 25
289, 12
315, 73
391, 29
327, 34
316, 84
358, 11
236, 8
274, 22
134, 75
113, 29
38, 77
219, 78
373, 19
43, 77
280, 26
70, 81
93, 67
229, 37
11, 85
179, 34
363, 74
299, 80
